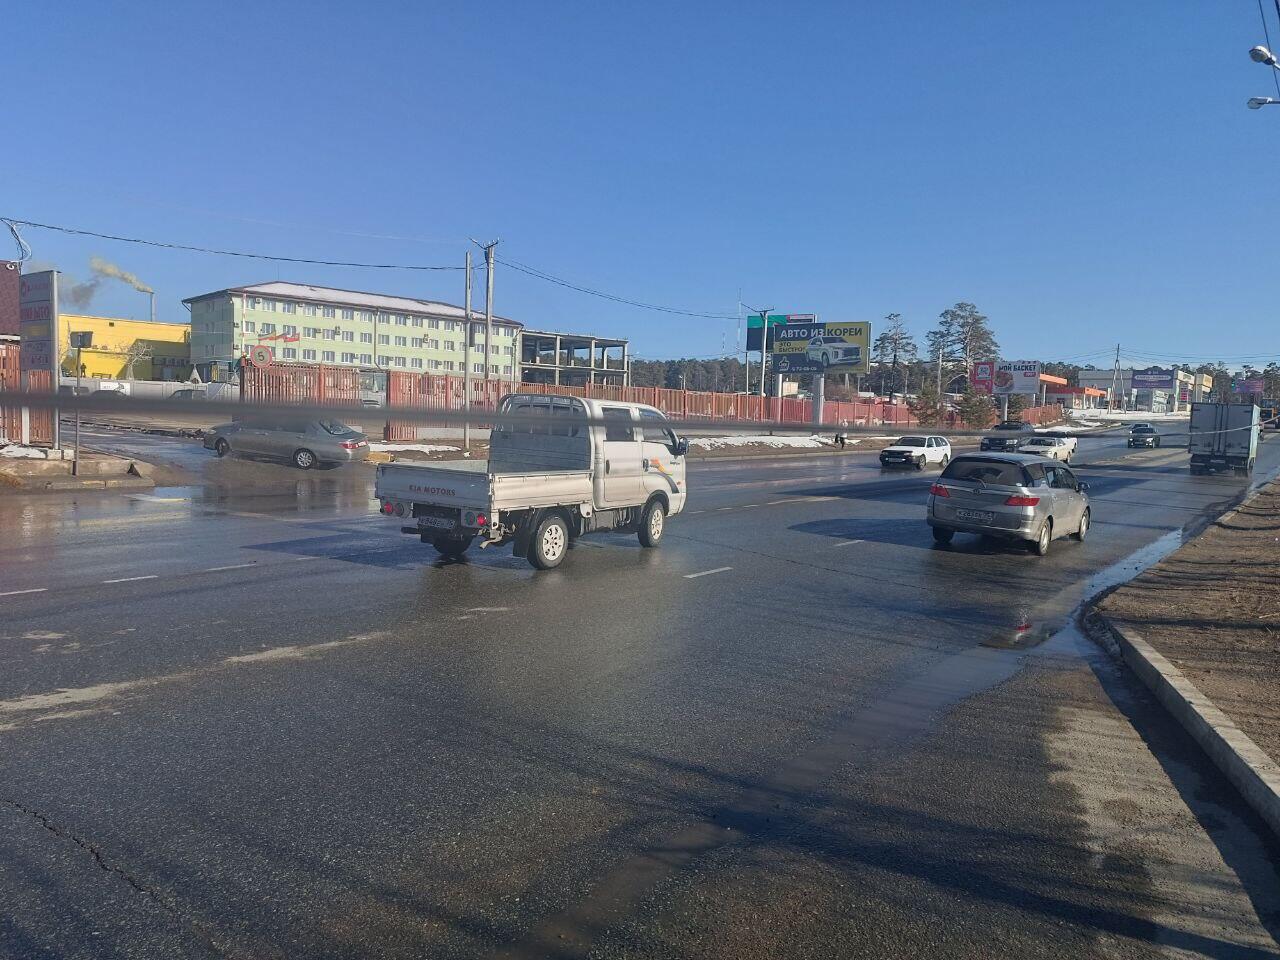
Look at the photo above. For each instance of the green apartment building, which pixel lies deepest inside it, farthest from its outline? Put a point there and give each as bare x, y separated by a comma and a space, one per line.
308, 324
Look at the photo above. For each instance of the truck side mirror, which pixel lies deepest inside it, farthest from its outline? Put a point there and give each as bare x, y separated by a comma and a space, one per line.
682, 447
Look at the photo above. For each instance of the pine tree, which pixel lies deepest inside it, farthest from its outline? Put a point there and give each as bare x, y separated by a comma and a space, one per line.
975, 409
926, 406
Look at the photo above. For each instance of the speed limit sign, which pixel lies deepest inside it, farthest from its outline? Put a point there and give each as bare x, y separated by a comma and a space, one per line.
260, 356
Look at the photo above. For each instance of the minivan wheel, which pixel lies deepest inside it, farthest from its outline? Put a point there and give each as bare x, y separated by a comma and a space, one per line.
942, 535
550, 542
304, 459
221, 448
946, 458
652, 523
1040, 545
1084, 526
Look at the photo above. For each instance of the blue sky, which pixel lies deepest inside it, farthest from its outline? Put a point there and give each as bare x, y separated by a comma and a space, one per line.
1086, 173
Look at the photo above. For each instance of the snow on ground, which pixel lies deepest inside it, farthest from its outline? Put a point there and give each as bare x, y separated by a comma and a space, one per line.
1130, 415
419, 447
1080, 426
15, 451
717, 443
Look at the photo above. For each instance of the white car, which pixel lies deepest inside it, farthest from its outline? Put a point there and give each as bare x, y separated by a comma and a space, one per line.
833, 351
1057, 448
916, 452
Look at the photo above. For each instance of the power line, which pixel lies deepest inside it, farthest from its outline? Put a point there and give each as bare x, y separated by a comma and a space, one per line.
541, 275
222, 253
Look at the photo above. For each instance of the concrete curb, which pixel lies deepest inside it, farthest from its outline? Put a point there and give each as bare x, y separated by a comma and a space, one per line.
1244, 763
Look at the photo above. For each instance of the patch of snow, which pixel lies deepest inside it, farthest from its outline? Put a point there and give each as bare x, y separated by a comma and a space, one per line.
419, 447
16, 451
716, 443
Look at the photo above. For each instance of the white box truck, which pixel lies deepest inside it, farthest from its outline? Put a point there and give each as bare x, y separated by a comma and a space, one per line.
551, 477
1224, 436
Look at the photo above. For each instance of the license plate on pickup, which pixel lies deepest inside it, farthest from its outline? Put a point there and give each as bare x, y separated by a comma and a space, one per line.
440, 523
975, 516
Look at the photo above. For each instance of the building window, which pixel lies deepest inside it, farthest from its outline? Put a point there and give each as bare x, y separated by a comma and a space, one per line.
309, 309
253, 303
450, 325
308, 354
288, 306
417, 343
365, 358
401, 320
329, 311
382, 361
250, 326
289, 353
384, 318
383, 339
417, 321
400, 361
269, 305
477, 368
290, 330
348, 358
347, 313
494, 369
348, 336
267, 329
433, 344
494, 349
416, 363
510, 351
448, 364
366, 338
449, 345
311, 331
402, 341
326, 334
433, 323
506, 371
327, 356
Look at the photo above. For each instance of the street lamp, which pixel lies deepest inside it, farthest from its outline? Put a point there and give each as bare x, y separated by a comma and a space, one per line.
1261, 54
1257, 103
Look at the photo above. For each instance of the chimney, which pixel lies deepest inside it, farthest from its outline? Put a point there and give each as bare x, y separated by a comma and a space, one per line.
153, 306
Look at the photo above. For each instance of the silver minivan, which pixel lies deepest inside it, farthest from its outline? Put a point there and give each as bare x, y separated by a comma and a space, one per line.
303, 442
1010, 496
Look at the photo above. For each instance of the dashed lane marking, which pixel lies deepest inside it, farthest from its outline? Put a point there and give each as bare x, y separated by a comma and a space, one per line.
14, 593
706, 573
847, 543
229, 566
149, 576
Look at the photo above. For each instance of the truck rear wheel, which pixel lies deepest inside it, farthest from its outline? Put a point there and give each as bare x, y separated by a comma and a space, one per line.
451, 548
652, 523
550, 542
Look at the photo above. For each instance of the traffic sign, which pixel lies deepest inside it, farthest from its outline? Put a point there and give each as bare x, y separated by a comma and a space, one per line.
260, 356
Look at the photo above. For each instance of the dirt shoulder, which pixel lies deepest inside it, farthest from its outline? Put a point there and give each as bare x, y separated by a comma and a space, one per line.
1213, 609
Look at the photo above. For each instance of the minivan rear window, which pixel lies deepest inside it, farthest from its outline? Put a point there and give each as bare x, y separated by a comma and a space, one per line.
981, 470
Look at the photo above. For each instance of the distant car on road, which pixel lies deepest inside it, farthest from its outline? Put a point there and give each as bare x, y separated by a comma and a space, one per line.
302, 442
187, 394
1055, 448
1007, 435
916, 452
1143, 435
1010, 496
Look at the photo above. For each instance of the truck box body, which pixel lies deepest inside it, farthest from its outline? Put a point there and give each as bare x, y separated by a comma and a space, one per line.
1223, 436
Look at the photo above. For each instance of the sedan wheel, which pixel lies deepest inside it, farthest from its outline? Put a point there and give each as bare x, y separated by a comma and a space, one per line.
221, 448
304, 459
1084, 526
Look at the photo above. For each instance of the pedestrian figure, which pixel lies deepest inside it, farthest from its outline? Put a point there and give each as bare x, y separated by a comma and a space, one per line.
842, 433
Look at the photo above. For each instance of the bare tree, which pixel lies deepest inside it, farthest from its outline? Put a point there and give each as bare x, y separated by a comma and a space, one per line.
136, 352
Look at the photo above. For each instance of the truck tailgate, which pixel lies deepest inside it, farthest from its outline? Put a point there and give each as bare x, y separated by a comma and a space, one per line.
422, 483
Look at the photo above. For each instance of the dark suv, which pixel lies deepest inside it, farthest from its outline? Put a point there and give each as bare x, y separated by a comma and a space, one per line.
1144, 435
1007, 435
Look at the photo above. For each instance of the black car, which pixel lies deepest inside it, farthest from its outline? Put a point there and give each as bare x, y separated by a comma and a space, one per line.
1007, 435
1144, 435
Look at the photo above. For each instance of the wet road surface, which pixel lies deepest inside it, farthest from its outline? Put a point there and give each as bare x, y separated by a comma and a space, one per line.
249, 718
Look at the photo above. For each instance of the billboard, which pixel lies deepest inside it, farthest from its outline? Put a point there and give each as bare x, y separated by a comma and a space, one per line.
982, 376
814, 347
1154, 378
756, 329
9, 278
1252, 385
38, 322
1017, 377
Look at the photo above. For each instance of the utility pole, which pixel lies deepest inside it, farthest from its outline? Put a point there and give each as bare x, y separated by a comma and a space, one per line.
488, 302
939, 373
1115, 379
764, 342
466, 362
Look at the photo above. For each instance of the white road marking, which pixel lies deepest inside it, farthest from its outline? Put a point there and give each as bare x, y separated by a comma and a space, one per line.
230, 566
487, 609
847, 543
149, 576
14, 593
706, 573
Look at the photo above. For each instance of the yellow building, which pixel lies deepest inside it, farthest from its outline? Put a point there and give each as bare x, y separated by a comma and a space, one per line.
127, 349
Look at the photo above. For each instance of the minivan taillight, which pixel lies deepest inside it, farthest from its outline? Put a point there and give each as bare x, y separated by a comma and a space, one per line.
938, 490
1017, 501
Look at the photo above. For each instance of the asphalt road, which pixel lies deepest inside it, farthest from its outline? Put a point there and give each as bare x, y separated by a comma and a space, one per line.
248, 718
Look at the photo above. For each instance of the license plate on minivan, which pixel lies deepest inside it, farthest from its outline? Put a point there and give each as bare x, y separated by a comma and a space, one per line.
975, 516
440, 523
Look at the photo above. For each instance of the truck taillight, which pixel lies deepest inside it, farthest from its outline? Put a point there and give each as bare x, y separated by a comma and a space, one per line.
481, 520
387, 507
1017, 501
938, 490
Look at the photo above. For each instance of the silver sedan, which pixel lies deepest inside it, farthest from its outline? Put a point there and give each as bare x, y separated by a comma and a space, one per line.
1009, 496
303, 442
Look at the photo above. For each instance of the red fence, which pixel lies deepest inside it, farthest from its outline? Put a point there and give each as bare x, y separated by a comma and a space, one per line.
39, 423
300, 383
425, 391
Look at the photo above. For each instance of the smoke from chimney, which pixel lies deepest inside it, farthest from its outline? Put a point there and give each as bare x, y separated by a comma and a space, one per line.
105, 268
